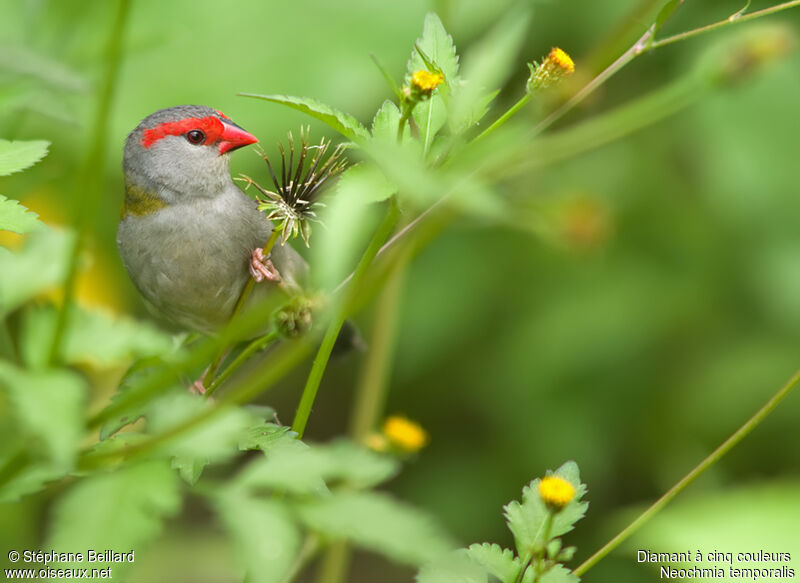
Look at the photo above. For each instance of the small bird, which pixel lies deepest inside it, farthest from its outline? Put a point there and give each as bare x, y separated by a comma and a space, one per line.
189, 237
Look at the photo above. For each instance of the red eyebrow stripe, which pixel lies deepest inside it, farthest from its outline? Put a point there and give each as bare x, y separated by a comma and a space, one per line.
210, 125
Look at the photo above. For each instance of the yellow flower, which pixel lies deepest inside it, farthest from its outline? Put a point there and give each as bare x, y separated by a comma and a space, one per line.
404, 434
556, 492
561, 59
425, 81
557, 65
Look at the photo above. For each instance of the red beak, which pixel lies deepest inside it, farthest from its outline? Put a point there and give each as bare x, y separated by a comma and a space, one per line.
234, 137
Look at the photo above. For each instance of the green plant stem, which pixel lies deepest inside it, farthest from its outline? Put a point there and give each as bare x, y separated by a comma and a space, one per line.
237, 309
646, 44
734, 19
340, 313
373, 384
334, 565
256, 345
7, 349
88, 186
370, 394
712, 458
263, 377
309, 548
523, 101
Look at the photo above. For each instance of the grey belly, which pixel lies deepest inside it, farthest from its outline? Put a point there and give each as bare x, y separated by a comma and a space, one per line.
191, 276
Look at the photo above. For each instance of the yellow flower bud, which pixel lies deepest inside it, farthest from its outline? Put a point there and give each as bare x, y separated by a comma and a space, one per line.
556, 492
404, 434
425, 81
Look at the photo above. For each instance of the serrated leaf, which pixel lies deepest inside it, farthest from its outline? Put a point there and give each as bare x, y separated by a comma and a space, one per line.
122, 511
15, 217
94, 337
385, 124
437, 46
17, 156
498, 561
265, 436
486, 67
379, 523
37, 267
288, 467
527, 520
456, 567
344, 123
559, 574
292, 466
265, 537
138, 371
48, 408
212, 440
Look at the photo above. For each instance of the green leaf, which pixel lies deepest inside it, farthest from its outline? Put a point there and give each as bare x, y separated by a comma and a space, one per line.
379, 523
527, 520
17, 218
455, 567
288, 467
337, 251
486, 68
95, 337
39, 266
211, 440
343, 123
437, 46
16, 156
558, 574
48, 407
498, 561
135, 374
665, 14
385, 124
292, 466
121, 511
365, 183
431, 116
265, 436
264, 535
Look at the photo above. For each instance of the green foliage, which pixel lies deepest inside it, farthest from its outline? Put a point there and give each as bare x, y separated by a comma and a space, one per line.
536, 529
343, 123
378, 523
15, 217
121, 511
17, 156
281, 501
48, 420
264, 532
39, 266
96, 338
528, 519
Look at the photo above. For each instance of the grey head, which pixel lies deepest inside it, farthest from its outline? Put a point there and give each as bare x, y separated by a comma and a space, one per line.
182, 151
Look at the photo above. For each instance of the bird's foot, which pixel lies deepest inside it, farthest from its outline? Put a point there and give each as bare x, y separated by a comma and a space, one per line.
261, 267
198, 387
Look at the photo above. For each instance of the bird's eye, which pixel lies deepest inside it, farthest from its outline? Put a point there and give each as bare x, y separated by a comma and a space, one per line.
196, 137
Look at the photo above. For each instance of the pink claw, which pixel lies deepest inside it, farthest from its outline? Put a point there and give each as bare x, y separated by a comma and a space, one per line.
261, 267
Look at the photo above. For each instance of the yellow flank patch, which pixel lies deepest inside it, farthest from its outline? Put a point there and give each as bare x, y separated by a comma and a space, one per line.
140, 203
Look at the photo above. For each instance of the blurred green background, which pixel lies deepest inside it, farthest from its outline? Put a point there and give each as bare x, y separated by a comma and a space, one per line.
660, 312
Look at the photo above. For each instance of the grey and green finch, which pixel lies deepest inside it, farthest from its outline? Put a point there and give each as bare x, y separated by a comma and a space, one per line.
189, 237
